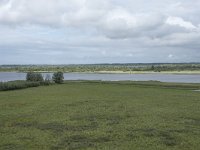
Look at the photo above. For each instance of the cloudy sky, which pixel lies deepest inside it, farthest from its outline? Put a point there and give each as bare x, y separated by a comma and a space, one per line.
99, 31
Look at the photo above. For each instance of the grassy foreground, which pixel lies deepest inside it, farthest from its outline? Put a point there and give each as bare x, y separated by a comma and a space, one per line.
101, 115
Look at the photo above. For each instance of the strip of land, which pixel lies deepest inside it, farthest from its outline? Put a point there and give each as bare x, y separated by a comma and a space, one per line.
147, 72
181, 68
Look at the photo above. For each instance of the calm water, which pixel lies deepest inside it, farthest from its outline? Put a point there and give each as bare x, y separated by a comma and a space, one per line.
10, 76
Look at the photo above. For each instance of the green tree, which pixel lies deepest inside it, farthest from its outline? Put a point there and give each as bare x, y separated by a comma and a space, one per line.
36, 77
58, 77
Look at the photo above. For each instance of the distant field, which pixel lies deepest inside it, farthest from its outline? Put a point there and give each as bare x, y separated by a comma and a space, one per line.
148, 72
101, 115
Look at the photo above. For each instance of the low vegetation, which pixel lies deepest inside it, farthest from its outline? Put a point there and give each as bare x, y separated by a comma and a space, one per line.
101, 115
32, 80
14, 85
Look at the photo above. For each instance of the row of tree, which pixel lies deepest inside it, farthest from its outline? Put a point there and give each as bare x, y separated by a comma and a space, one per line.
37, 77
102, 67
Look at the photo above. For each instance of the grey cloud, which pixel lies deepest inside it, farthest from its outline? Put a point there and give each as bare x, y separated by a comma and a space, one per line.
102, 30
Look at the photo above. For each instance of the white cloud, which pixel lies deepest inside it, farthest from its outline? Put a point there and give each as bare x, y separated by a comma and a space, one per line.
180, 22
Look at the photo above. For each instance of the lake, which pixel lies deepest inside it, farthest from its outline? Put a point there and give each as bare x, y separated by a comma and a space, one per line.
192, 78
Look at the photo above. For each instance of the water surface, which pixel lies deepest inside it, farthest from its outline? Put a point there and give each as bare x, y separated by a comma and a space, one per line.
10, 76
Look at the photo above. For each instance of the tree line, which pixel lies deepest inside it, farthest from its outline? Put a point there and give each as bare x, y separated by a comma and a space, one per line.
32, 80
156, 67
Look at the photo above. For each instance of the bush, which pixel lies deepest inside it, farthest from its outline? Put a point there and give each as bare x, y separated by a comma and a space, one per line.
35, 77
46, 83
13, 85
58, 77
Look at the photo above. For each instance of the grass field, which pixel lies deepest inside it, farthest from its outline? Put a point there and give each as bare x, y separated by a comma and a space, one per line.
101, 115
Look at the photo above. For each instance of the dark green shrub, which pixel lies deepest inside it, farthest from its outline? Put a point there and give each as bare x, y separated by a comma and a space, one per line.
46, 83
13, 85
58, 77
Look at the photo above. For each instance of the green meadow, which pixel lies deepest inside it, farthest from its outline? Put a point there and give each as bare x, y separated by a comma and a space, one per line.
101, 115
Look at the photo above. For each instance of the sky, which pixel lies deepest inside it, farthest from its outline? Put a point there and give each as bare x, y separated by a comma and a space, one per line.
99, 31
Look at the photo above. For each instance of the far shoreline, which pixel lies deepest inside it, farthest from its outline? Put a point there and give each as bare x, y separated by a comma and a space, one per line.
118, 72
